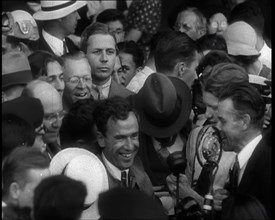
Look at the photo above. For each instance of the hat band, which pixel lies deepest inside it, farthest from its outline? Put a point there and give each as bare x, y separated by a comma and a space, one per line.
156, 121
20, 77
53, 8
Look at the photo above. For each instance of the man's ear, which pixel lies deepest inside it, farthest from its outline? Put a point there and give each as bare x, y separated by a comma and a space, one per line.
201, 33
246, 121
14, 190
100, 139
180, 69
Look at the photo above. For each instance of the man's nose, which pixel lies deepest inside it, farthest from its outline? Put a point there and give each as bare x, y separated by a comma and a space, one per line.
103, 57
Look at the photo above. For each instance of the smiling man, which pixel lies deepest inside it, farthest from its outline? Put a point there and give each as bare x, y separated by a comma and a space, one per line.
77, 77
117, 137
100, 48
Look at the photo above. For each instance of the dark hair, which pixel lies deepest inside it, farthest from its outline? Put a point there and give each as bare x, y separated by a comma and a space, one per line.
59, 198
211, 42
249, 12
19, 162
93, 29
115, 108
245, 61
243, 206
15, 132
130, 47
246, 100
79, 123
39, 61
109, 15
128, 203
173, 47
14, 41
211, 59
224, 74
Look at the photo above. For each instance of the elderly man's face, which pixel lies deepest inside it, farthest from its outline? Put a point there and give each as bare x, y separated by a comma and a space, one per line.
26, 191
53, 115
230, 123
120, 144
187, 23
101, 53
78, 80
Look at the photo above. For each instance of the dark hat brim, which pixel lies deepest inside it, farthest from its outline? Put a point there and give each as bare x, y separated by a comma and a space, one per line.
147, 127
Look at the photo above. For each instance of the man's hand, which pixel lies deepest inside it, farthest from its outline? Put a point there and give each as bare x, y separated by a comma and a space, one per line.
219, 196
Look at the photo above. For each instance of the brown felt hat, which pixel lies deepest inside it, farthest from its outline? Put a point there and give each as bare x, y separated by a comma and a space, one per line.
163, 104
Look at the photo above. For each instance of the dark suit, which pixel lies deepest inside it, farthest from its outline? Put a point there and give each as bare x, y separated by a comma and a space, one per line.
256, 179
118, 90
43, 45
137, 177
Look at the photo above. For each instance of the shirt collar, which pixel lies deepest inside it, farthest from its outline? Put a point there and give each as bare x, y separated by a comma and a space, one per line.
55, 43
247, 151
113, 170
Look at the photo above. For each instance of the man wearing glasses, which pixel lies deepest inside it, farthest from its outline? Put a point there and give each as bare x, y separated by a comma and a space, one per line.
53, 112
77, 78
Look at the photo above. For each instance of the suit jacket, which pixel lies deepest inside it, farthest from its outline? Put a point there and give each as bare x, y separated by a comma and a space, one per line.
118, 90
43, 45
138, 179
256, 179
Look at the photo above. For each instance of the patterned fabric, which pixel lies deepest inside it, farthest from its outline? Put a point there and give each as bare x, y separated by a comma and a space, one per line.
144, 15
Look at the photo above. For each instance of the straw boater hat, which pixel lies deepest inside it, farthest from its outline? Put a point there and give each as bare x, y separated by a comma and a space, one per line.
51, 10
84, 166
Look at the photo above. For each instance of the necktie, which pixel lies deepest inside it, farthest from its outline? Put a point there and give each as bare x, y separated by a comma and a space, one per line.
121, 5
100, 95
124, 178
234, 175
64, 47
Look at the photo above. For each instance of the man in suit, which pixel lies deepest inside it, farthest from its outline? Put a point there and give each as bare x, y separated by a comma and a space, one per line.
100, 47
241, 114
117, 137
59, 21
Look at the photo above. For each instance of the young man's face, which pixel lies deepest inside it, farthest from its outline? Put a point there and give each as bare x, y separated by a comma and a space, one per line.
34, 177
120, 144
117, 29
101, 53
129, 68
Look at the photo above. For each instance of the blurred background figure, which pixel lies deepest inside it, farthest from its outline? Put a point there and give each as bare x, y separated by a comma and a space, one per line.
59, 198
16, 73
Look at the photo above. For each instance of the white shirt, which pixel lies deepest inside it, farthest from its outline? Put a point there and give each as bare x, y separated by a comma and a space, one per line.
113, 170
105, 89
245, 154
55, 43
138, 80
265, 56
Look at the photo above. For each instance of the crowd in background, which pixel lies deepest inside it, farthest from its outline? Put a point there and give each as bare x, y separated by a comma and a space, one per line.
136, 109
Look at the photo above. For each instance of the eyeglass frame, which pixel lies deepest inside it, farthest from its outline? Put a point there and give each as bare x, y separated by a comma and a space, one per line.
59, 115
85, 81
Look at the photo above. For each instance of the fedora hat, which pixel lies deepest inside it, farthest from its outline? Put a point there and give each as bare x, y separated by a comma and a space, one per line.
16, 69
51, 10
163, 104
84, 166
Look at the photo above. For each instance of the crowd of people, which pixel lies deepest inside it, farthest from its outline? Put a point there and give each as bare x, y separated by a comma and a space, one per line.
142, 109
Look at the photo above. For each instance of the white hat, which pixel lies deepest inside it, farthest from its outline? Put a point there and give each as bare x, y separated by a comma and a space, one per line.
20, 24
51, 10
84, 166
241, 39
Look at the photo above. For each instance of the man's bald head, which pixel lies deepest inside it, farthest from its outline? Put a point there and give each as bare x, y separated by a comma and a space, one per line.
52, 105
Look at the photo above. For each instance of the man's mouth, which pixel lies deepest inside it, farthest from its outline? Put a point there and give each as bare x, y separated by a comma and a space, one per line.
81, 95
127, 156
